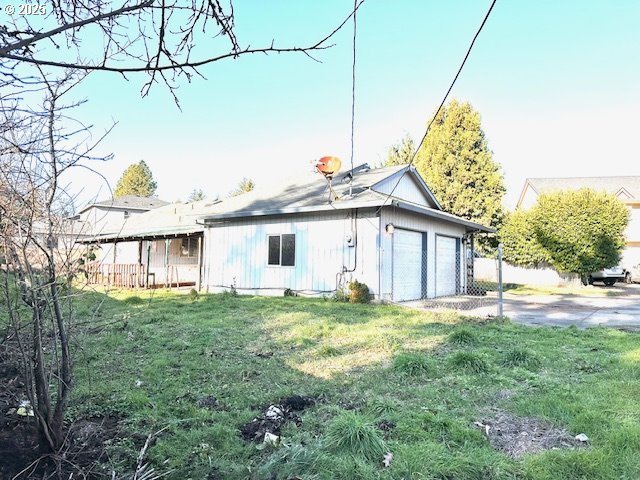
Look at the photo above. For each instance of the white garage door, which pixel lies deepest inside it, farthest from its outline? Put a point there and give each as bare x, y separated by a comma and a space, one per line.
407, 265
446, 266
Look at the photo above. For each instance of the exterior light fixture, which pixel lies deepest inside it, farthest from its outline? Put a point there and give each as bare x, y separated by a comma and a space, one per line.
390, 228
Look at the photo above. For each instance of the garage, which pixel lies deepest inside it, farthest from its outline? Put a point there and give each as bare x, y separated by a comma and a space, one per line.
409, 276
447, 265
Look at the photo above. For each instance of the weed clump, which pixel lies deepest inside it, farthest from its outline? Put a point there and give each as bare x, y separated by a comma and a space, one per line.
355, 292
412, 363
469, 361
462, 336
521, 358
359, 292
193, 295
134, 300
355, 434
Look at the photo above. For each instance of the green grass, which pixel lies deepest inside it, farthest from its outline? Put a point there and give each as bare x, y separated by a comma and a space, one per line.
363, 364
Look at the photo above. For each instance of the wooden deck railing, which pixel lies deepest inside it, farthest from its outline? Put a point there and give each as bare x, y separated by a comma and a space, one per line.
125, 275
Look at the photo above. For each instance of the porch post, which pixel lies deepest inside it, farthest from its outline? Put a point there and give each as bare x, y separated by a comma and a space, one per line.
199, 278
167, 242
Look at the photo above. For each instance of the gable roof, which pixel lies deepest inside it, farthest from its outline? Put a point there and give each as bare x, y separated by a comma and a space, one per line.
303, 194
128, 202
626, 188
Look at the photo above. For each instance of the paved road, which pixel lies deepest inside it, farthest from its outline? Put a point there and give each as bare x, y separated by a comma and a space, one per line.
564, 310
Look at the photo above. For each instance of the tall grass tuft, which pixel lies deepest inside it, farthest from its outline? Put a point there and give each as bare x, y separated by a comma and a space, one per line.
519, 357
462, 336
471, 362
413, 364
353, 433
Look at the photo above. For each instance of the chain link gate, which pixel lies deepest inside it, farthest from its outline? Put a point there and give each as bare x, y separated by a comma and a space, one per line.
467, 282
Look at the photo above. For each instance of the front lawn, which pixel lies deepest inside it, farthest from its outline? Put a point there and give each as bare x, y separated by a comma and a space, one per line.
374, 380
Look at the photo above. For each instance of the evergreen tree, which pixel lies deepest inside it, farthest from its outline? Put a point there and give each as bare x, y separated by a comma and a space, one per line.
196, 195
137, 179
402, 153
458, 166
245, 185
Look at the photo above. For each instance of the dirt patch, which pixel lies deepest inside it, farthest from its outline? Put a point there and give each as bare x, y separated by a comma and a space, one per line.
386, 425
518, 436
274, 417
83, 454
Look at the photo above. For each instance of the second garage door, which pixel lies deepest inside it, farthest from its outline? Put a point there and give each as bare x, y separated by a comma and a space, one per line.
447, 265
407, 265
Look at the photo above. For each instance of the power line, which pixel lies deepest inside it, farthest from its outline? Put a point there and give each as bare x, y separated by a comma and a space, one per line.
353, 88
444, 99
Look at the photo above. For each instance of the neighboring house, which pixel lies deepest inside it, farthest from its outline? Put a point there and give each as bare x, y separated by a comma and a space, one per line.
305, 236
627, 189
108, 217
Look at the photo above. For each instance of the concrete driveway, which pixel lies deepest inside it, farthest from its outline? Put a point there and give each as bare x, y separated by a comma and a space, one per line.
620, 311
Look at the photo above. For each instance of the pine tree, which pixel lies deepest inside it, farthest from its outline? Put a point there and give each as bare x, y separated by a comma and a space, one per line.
245, 185
458, 166
137, 179
402, 153
196, 195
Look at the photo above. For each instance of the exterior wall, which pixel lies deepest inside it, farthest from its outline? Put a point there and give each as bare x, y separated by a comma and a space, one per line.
174, 268
407, 189
529, 198
486, 269
102, 220
633, 229
420, 223
236, 252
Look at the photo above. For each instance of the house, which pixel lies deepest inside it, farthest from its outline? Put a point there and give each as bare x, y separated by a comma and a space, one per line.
383, 227
627, 189
108, 217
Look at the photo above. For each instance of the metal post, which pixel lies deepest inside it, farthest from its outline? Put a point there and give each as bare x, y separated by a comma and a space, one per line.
500, 303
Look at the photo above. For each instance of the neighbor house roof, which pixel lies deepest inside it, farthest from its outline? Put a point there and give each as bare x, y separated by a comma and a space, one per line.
302, 194
128, 202
626, 188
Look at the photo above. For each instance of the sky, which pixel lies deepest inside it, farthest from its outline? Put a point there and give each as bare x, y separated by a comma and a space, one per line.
557, 84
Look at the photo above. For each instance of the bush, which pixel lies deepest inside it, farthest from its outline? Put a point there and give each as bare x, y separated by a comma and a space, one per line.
355, 434
576, 231
359, 292
356, 293
582, 230
518, 238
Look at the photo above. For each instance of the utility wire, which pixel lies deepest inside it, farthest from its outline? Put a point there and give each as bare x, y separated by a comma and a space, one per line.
353, 90
444, 99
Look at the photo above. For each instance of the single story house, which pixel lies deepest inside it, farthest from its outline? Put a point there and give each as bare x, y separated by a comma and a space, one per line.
626, 188
382, 227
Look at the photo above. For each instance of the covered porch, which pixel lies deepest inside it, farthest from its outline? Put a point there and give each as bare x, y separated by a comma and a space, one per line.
149, 261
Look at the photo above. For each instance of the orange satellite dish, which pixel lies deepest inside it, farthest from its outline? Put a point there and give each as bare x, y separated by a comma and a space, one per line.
328, 165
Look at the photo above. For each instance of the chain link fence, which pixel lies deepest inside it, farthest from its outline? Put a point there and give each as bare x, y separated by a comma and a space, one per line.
471, 285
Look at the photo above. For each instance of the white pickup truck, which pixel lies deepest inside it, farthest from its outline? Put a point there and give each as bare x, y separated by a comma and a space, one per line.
609, 276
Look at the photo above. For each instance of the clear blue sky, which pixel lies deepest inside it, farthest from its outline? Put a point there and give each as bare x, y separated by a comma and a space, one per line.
557, 84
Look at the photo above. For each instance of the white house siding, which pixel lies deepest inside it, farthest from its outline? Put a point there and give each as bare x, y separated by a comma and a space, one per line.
412, 221
408, 189
633, 228
236, 252
178, 269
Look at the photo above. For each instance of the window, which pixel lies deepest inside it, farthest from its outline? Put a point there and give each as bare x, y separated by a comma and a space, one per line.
282, 250
189, 247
